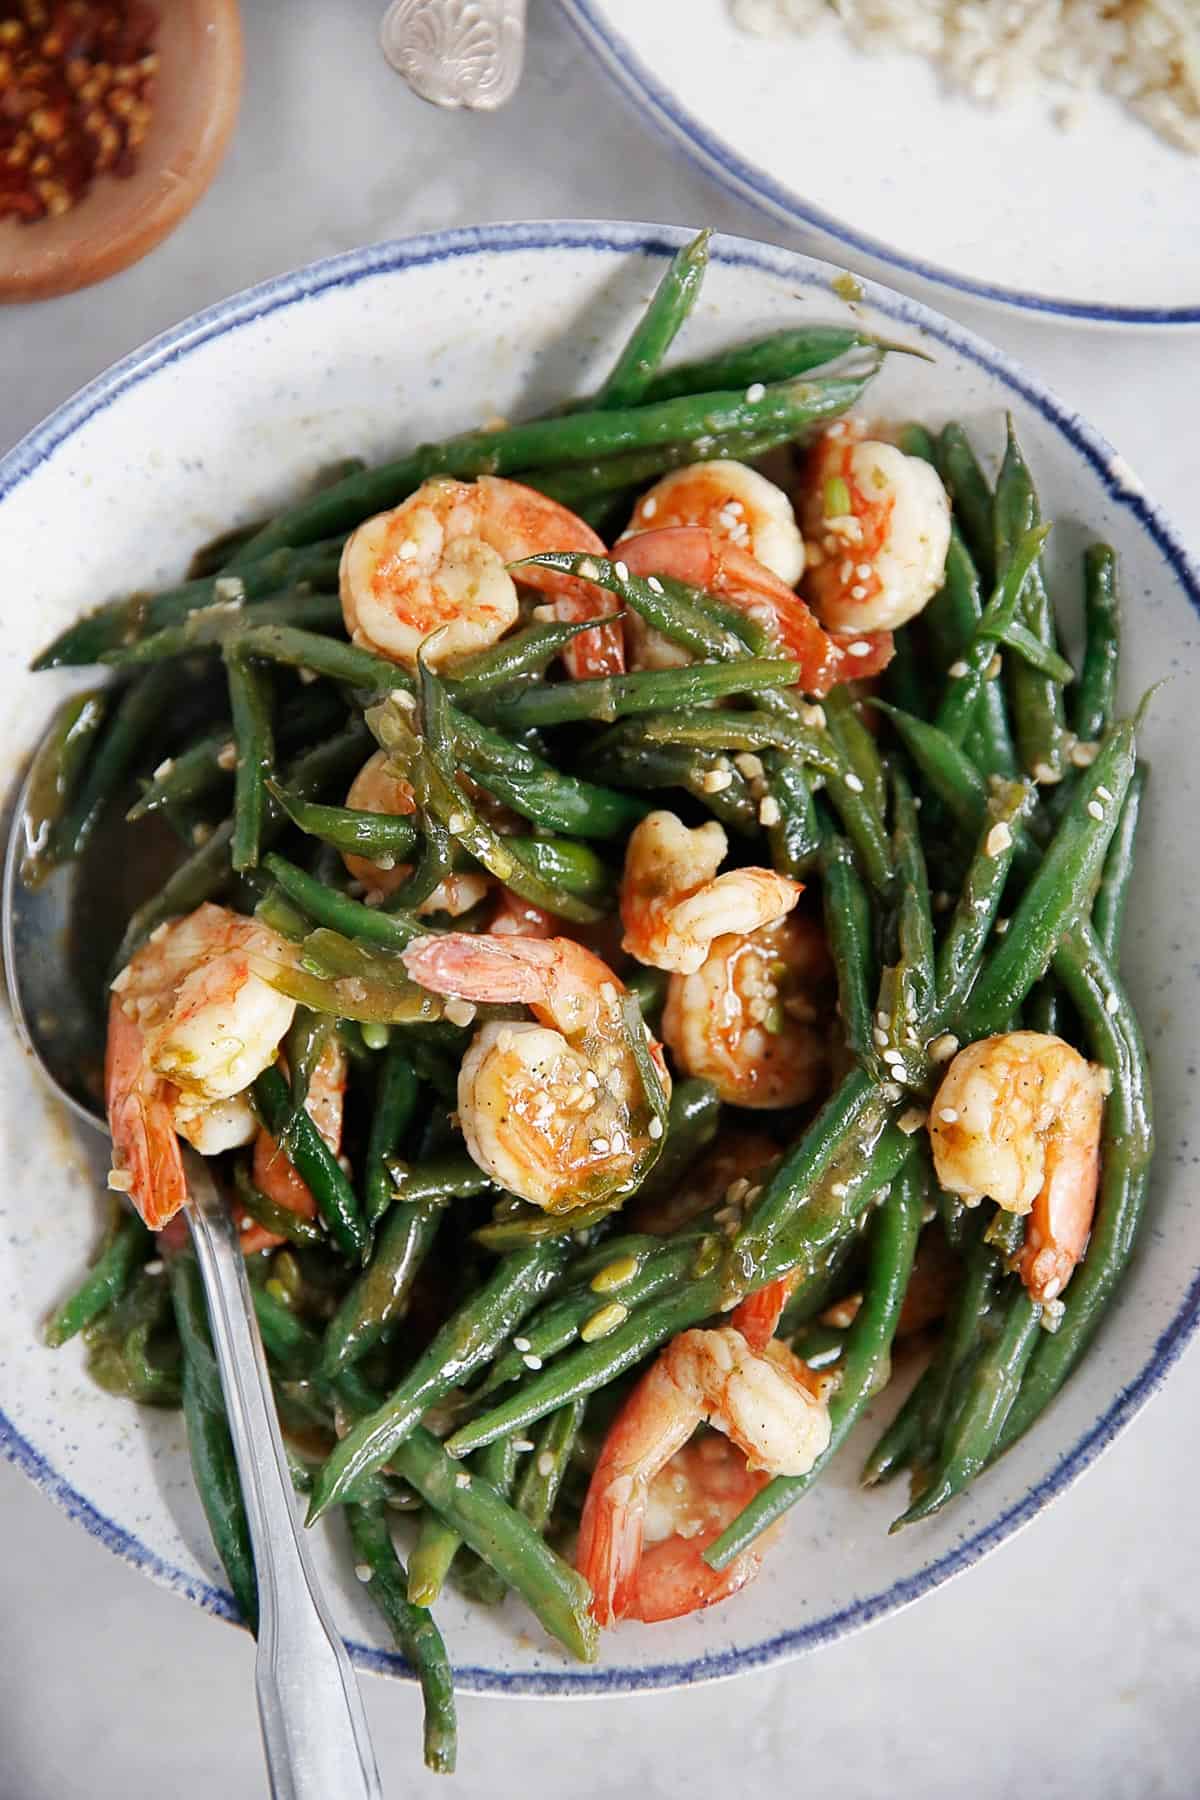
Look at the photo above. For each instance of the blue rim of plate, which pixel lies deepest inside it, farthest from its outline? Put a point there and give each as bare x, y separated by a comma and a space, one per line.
716, 158
605, 238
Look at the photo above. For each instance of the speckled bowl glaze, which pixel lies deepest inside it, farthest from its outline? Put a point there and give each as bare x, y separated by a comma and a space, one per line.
223, 419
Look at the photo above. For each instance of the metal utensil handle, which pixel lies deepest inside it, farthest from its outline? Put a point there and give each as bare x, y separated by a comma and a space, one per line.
313, 1724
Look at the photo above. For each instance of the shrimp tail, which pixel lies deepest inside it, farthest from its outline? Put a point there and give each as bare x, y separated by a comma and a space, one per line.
610, 1548
759, 1314
674, 1578
145, 1148
507, 970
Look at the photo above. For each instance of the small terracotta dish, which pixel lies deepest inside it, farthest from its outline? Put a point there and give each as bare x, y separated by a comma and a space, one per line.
195, 102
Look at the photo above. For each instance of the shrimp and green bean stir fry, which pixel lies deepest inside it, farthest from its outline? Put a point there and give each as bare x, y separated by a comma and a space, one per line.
641, 949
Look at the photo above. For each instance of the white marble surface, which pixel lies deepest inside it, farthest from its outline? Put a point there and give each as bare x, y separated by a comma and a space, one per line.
1069, 1662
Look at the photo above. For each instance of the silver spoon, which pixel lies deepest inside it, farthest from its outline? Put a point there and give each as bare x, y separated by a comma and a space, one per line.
313, 1724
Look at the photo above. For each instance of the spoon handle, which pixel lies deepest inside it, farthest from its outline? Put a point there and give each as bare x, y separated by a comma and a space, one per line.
313, 1724
457, 52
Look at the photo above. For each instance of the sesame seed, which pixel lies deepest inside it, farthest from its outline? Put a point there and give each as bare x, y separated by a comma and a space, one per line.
853, 783
621, 571
655, 1128
756, 391
545, 1463
957, 669
858, 591
715, 781
948, 1116
737, 1190
1052, 1288
943, 1048
864, 571
1052, 1315
1095, 810
522, 1445
1111, 1003
893, 1057
839, 1190
604, 1321
813, 716
614, 1274
462, 1479
655, 585
1084, 755
545, 615
911, 1121
846, 570
649, 506
749, 764
588, 570
1001, 926
1102, 793
858, 648
457, 822
154, 1266
364, 1571
120, 1181
600, 1146
998, 839
532, 1362
459, 1012
1044, 772
768, 810
522, 1343
881, 1037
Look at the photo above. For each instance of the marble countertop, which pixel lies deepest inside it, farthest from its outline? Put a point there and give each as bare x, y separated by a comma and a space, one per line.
1068, 1663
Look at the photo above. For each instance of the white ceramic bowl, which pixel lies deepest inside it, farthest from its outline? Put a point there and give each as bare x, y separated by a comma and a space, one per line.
870, 156
225, 417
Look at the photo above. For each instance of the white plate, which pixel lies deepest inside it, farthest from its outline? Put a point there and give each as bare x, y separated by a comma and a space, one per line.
225, 417
1099, 223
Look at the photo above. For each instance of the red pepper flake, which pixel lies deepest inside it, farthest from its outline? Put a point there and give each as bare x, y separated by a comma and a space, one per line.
76, 98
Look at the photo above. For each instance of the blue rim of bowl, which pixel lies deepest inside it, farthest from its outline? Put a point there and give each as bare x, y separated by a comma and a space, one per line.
660, 241
716, 158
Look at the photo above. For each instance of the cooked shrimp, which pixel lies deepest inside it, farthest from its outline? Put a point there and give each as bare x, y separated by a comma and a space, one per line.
1017, 1119
515, 917
689, 1503
553, 1111
735, 503
758, 1402
755, 1018
192, 1021
437, 562
693, 554
274, 1175
673, 902
881, 521
378, 788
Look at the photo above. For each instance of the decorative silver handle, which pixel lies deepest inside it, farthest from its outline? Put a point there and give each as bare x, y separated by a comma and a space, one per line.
313, 1724
457, 52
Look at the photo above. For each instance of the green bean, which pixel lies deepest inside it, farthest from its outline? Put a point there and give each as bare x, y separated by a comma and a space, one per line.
1037, 699
911, 991
207, 872
393, 930
1108, 910
118, 1344
137, 713
560, 1323
649, 989
990, 1389
351, 830
59, 764
497, 1465
950, 620
1126, 1149
279, 1220
856, 743
127, 1243
395, 1107
638, 765
486, 1523
905, 680
429, 1564
380, 1296
968, 677
826, 1217
968, 489
209, 761
314, 1162
209, 1442
848, 928
603, 698
779, 357
656, 331
795, 837
452, 1176
123, 622
617, 479
545, 443
536, 790
686, 615
914, 440
866, 1362
947, 770
1032, 651
540, 1480
467, 1341
250, 703
978, 905
417, 1637
515, 657
215, 627
562, 863
693, 1116
1096, 695
1059, 894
